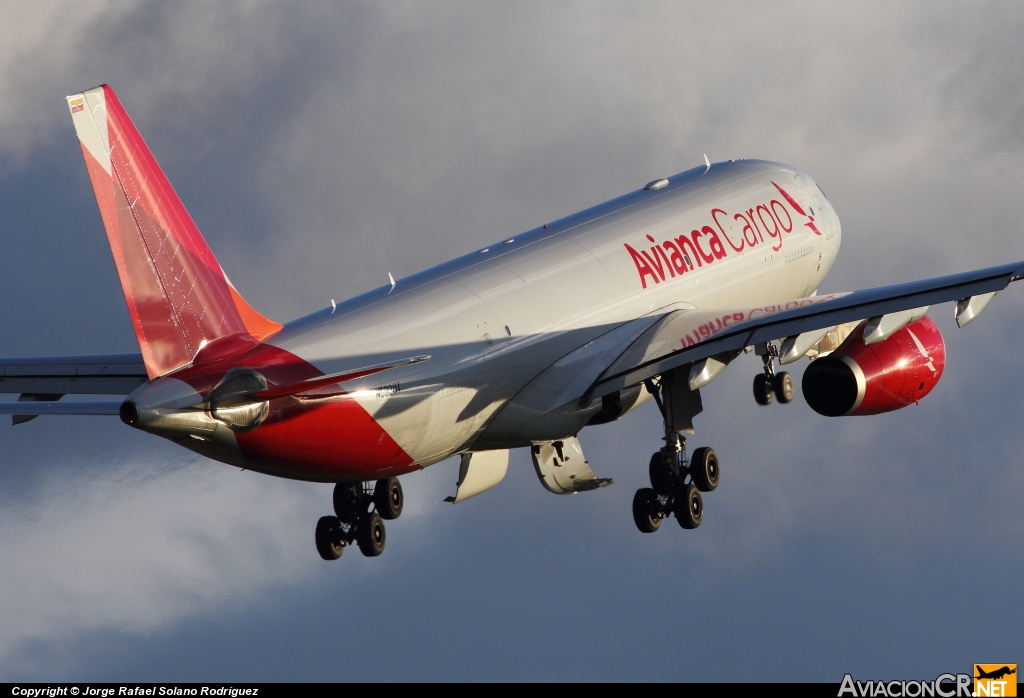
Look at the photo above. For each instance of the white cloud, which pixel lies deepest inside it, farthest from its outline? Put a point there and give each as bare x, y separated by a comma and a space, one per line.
152, 541
147, 545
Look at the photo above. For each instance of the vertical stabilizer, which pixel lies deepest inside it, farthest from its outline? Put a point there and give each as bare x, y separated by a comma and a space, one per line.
178, 296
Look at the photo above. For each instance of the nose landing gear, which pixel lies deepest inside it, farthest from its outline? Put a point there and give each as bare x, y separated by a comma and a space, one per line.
355, 522
770, 385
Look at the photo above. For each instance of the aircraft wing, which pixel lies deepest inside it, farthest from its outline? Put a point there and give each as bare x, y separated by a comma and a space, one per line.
41, 382
688, 336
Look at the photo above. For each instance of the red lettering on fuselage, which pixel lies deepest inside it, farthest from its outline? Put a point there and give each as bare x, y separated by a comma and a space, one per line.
713, 327
764, 223
798, 209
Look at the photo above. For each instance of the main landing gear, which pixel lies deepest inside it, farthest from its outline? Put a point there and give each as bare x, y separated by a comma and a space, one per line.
770, 385
355, 522
676, 482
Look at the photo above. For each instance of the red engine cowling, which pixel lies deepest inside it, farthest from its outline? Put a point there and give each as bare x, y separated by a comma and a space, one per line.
860, 378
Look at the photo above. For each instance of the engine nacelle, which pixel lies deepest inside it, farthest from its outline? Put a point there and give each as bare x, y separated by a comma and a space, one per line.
870, 379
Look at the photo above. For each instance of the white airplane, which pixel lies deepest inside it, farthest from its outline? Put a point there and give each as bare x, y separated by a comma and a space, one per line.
519, 344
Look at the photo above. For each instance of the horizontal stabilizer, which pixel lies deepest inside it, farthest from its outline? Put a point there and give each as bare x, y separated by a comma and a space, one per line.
332, 379
103, 407
97, 374
249, 390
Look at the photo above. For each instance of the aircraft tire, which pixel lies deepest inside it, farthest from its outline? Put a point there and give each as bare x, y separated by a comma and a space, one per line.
690, 507
763, 389
388, 498
661, 473
371, 536
704, 470
784, 388
348, 501
645, 510
329, 542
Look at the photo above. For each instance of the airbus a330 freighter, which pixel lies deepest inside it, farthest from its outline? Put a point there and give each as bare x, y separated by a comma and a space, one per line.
520, 344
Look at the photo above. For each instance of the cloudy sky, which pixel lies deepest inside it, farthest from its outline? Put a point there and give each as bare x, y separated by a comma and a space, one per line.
321, 146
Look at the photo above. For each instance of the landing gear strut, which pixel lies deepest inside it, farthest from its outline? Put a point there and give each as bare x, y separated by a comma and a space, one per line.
355, 522
770, 385
676, 482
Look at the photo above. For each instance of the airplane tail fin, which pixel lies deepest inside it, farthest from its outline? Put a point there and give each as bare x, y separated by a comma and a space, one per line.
178, 296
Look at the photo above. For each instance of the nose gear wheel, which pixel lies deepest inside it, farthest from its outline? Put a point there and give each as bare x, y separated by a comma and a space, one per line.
769, 385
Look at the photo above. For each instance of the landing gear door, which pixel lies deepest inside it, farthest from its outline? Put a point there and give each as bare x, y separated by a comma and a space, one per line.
478, 472
562, 469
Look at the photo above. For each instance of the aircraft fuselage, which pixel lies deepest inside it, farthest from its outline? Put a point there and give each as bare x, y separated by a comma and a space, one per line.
510, 326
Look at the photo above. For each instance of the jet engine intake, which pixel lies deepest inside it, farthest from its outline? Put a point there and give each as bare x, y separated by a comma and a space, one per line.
859, 378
